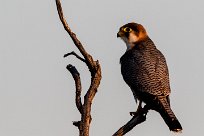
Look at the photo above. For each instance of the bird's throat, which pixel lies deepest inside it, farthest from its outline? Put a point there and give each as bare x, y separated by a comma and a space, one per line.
130, 46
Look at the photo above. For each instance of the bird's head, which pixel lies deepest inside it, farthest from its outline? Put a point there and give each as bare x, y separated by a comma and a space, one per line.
132, 33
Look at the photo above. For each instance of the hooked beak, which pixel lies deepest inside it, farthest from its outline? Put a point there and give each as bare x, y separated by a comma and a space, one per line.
119, 34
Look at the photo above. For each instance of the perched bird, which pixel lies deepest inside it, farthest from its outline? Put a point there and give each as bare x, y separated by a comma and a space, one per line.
144, 69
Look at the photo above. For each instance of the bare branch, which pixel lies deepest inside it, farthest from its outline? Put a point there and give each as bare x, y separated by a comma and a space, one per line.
76, 55
94, 68
88, 58
138, 118
77, 80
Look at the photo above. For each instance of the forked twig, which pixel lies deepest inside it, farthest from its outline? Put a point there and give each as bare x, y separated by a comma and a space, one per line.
94, 68
76, 55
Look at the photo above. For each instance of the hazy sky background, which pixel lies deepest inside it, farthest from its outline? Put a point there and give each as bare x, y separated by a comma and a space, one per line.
37, 92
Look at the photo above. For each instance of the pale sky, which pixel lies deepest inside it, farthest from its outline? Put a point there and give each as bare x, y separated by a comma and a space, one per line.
37, 93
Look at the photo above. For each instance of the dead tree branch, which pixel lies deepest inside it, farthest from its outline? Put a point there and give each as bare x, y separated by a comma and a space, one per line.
138, 118
89, 60
76, 76
95, 70
76, 55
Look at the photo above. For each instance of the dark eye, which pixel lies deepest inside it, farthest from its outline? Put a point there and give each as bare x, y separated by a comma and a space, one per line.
127, 29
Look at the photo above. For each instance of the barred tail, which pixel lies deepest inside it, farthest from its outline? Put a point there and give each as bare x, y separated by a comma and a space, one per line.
168, 115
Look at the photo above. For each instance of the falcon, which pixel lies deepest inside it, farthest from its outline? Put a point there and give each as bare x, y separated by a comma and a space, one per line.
144, 69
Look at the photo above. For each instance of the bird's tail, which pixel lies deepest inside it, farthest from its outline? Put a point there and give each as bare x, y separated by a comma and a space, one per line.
168, 115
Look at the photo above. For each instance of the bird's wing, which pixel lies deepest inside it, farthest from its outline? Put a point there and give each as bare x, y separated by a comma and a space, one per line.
162, 73
146, 72
153, 73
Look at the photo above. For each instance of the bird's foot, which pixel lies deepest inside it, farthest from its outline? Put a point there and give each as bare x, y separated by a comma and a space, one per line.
133, 113
139, 109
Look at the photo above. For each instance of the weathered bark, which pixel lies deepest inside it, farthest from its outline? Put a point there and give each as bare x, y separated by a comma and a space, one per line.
95, 70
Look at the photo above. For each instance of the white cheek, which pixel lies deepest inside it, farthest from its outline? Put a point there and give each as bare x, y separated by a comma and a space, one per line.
133, 38
128, 44
124, 39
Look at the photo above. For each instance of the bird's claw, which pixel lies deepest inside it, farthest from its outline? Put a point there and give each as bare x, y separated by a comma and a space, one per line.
133, 113
136, 113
